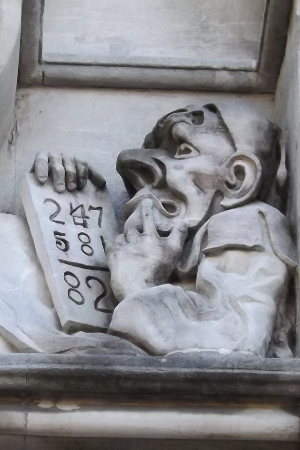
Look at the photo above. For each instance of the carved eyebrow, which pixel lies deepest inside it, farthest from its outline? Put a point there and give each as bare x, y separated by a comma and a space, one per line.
177, 111
182, 110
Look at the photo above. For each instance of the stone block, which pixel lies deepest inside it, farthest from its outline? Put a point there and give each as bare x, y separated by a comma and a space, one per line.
184, 33
69, 232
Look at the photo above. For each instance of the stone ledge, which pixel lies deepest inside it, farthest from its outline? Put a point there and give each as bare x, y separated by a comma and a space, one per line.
176, 378
52, 443
78, 420
163, 423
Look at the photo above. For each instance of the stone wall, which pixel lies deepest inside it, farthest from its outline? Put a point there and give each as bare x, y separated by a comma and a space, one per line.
95, 125
10, 26
287, 115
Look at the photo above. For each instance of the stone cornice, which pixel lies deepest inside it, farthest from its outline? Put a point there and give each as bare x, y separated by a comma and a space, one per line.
184, 377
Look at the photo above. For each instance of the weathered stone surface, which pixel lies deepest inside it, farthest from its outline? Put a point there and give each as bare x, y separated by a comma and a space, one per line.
183, 33
10, 28
43, 423
288, 117
209, 257
76, 419
177, 378
197, 220
12, 442
28, 320
69, 232
81, 123
33, 71
50, 443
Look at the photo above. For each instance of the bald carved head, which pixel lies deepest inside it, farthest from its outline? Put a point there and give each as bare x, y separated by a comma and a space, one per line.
200, 160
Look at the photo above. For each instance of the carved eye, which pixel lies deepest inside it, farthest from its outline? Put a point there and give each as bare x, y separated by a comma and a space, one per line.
186, 151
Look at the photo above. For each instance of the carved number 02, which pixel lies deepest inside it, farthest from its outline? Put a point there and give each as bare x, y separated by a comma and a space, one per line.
73, 281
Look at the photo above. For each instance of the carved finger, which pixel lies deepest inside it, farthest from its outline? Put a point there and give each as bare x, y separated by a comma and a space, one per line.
96, 179
149, 227
41, 167
82, 171
70, 173
58, 173
178, 236
133, 236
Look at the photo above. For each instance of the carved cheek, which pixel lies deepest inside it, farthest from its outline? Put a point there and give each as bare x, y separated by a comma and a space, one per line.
205, 174
207, 182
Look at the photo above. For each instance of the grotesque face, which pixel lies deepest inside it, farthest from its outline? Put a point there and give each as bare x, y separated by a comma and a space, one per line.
182, 172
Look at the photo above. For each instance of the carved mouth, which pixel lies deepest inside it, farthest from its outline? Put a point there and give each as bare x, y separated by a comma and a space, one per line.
167, 208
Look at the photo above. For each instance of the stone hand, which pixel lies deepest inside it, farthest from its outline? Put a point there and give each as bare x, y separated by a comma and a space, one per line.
66, 172
141, 260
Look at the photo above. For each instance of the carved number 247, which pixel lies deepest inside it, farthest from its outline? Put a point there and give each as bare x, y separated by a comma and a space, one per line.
77, 212
79, 215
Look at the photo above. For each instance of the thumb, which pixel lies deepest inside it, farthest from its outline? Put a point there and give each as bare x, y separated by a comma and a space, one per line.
96, 179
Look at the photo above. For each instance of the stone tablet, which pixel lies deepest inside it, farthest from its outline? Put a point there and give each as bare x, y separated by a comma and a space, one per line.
69, 231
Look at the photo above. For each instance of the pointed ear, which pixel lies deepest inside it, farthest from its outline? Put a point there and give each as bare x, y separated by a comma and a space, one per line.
242, 179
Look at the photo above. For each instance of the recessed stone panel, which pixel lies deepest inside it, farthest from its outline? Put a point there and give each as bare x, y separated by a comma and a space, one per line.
154, 33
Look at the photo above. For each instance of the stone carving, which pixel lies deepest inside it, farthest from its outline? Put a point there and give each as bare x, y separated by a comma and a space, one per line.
205, 261
68, 232
210, 256
28, 320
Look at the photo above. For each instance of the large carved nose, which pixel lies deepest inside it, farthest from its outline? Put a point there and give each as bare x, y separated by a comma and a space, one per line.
140, 168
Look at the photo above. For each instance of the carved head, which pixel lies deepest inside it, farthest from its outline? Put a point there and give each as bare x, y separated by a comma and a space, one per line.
198, 161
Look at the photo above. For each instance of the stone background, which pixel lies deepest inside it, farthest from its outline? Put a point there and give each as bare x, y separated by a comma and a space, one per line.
166, 32
93, 125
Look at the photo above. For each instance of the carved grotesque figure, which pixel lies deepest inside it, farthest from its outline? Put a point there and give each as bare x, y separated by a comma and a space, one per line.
205, 259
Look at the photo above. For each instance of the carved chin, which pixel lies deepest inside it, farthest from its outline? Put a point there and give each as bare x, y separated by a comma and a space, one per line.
200, 209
